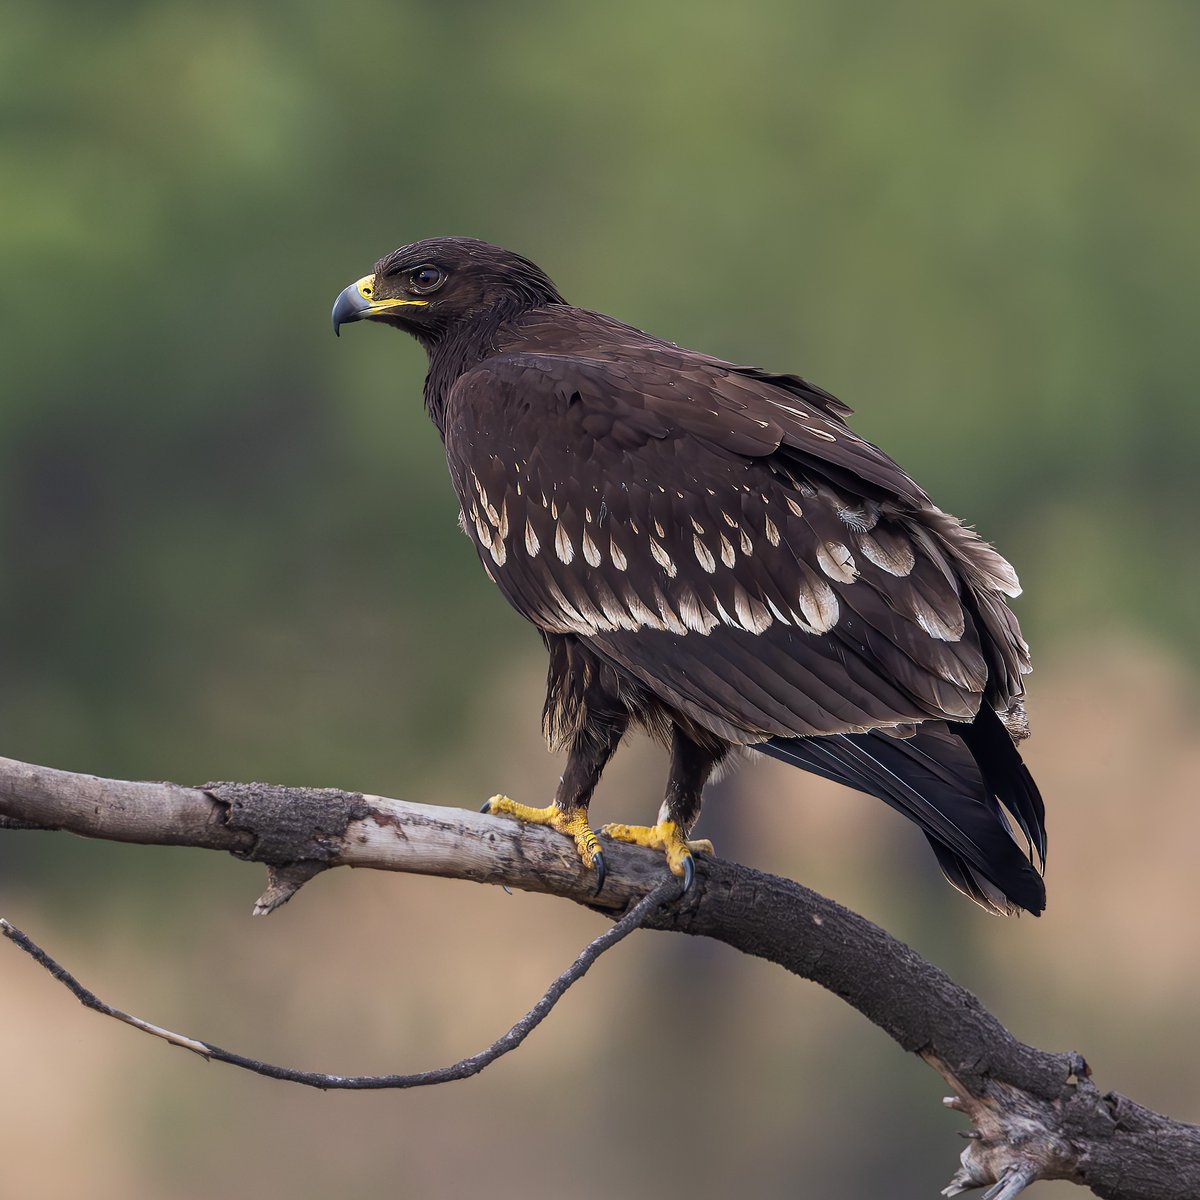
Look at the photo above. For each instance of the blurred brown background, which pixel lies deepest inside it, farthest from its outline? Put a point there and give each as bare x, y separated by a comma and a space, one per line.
229, 551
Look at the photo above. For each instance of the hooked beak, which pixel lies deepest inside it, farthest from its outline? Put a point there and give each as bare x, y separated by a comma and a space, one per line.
358, 303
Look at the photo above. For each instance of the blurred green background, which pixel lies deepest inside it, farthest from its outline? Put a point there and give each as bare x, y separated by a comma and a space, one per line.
230, 551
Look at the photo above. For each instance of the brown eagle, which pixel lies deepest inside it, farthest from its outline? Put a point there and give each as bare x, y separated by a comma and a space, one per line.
710, 553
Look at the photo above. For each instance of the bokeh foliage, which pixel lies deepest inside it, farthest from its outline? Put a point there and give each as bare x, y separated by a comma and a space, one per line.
974, 222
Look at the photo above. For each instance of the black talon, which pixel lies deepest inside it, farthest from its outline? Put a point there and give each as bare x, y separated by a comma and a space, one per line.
486, 806
689, 875
601, 870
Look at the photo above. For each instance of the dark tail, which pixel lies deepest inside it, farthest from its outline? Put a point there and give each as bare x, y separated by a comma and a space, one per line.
951, 779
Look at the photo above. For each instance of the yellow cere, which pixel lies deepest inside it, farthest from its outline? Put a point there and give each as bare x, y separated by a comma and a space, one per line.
366, 289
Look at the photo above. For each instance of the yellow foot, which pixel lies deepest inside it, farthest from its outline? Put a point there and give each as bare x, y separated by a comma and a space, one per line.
574, 824
667, 837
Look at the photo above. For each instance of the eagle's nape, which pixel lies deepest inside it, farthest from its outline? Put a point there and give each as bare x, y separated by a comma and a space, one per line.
711, 553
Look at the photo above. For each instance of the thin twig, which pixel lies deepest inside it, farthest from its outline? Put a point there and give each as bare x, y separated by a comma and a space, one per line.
1015, 1181
464, 1069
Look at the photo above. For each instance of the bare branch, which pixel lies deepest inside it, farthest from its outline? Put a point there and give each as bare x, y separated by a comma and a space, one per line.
463, 1069
298, 832
1035, 1115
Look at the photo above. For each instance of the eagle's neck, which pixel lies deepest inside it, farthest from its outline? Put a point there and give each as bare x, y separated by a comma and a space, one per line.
454, 351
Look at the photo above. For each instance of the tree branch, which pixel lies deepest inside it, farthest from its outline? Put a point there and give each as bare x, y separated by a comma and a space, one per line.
463, 1069
1035, 1115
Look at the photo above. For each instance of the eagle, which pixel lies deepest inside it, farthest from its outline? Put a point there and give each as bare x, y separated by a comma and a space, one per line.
711, 554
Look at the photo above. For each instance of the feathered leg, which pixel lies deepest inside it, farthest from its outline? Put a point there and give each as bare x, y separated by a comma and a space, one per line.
692, 763
591, 746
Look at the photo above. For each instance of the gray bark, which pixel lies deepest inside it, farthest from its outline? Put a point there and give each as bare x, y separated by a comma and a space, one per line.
1035, 1115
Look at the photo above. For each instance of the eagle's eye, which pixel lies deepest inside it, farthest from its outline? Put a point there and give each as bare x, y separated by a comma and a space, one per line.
426, 279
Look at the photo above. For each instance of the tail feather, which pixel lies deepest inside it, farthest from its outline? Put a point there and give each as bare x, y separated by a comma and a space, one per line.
1007, 777
971, 883
952, 780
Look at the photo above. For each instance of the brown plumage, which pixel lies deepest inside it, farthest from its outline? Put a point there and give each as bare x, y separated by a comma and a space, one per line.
710, 552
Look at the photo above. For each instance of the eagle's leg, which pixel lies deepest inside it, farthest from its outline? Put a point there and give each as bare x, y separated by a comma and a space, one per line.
691, 765
591, 748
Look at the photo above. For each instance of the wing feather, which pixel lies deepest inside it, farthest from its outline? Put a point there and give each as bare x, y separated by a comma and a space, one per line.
722, 536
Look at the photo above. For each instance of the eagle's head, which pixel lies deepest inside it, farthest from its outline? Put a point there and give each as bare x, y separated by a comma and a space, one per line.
434, 288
